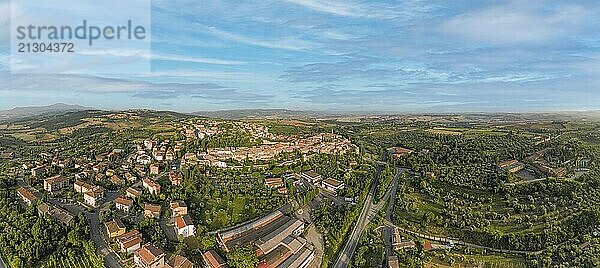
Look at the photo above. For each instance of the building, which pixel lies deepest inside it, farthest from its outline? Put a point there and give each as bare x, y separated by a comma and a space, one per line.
282, 190
274, 182
158, 154
507, 163
515, 168
132, 193
175, 177
114, 228
27, 195
55, 183
228, 239
212, 259
63, 217
39, 171
130, 177
178, 208
44, 209
393, 261
301, 259
7, 155
184, 226
399, 151
152, 211
151, 186
116, 180
94, 196
149, 256
124, 204
149, 144
144, 159
154, 169
276, 239
332, 185
550, 171
81, 186
312, 177
130, 242
511, 166
279, 237
178, 261
398, 242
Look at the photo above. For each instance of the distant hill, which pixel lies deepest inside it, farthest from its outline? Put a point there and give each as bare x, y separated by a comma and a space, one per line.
261, 113
23, 112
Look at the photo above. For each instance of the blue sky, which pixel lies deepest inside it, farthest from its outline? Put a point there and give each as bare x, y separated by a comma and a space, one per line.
394, 56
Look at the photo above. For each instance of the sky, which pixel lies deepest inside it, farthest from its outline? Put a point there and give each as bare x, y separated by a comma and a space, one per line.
340, 55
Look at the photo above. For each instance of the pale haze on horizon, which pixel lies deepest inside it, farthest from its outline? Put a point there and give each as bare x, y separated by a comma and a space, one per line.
410, 56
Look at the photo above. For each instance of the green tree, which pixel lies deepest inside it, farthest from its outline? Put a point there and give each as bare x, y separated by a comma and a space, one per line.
242, 257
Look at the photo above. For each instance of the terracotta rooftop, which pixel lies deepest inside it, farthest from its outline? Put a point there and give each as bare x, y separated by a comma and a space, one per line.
332, 182
152, 208
56, 179
213, 259
183, 221
27, 193
124, 201
178, 261
149, 253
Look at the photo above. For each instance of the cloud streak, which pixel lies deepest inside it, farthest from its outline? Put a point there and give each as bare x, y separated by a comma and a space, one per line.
517, 22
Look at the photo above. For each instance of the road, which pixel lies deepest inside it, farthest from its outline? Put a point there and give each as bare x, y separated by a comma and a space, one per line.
367, 213
2, 265
312, 235
111, 259
387, 230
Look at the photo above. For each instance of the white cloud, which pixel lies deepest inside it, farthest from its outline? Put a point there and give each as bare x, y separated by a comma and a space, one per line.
517, 22
157, 56
404, 10
288, 43
195, 74
332, 7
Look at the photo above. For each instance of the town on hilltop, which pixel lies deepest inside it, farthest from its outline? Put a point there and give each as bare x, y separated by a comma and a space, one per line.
161, 189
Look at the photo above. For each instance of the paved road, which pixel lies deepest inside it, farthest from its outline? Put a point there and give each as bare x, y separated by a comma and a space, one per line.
346, 254
368, 212
388, 230
2, 265
111, 260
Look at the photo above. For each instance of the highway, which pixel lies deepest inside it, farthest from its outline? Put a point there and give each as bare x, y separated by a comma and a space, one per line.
367, 213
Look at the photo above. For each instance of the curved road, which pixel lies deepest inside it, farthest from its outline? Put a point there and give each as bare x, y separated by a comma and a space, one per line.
111, 259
